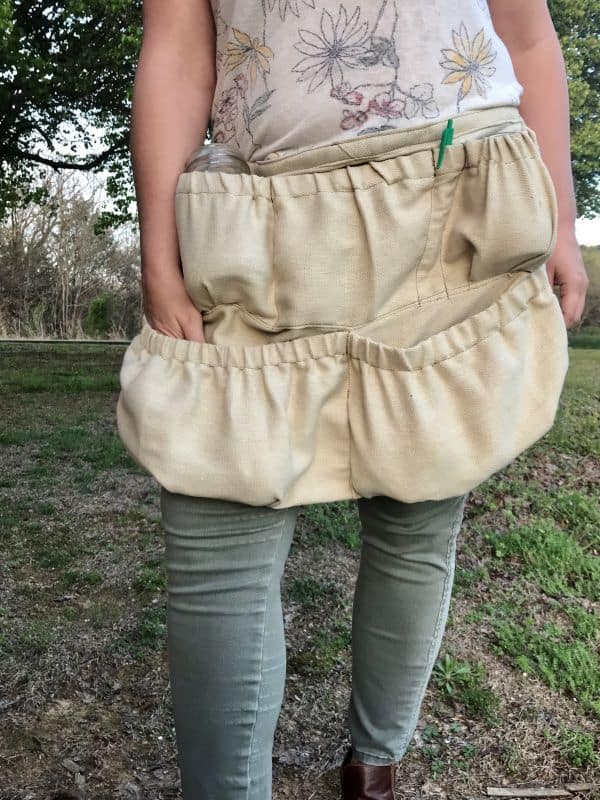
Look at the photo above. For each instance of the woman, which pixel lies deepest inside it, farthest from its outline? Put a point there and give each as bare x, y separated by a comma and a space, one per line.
366, 312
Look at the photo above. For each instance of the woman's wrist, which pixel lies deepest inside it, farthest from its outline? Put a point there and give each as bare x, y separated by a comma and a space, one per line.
566, 228
155, 273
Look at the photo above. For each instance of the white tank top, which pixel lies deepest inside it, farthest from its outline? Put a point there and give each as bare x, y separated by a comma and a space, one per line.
298, 73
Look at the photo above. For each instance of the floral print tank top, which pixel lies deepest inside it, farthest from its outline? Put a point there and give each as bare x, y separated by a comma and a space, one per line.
299, 73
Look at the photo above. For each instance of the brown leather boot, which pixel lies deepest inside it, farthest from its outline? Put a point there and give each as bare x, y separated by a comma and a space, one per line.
367, 781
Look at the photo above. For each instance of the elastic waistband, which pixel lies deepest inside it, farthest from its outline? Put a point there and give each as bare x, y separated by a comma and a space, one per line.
385, 144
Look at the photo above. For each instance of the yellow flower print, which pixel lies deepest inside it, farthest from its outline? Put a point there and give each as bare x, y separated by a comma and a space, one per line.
250, 50
469, 63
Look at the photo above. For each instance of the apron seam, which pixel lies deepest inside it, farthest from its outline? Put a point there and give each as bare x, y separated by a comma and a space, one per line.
273, 266
419, 264
353, 488
441, 171
445, 227
493, 332
332, 327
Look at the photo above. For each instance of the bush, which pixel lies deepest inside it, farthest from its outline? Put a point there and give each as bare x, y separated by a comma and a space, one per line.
98, 321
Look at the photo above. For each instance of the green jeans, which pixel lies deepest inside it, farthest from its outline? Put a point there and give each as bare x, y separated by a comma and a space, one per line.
225, 631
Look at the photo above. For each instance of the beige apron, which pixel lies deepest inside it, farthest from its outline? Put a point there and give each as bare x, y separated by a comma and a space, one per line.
374, 324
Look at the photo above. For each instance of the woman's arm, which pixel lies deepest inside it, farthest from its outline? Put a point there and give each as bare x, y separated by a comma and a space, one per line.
172, 95
528, 32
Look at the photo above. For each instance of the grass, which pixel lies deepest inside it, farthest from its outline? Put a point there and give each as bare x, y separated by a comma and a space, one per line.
149, 632
550, 557
588, 338
575, 511
98, 449
578, 747
73, 578
64, 369
514, 690
440, 750
461, 682
577, 427
312, 593
559, 657
34, 638
328, 646
331, 522
151, 578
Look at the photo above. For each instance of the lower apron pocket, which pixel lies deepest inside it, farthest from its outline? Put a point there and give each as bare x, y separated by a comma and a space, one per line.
259, 424
432, 416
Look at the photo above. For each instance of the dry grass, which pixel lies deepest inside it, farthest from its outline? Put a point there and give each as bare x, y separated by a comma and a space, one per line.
85, 705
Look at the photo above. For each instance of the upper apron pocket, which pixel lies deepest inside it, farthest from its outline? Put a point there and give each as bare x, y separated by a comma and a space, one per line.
504, 214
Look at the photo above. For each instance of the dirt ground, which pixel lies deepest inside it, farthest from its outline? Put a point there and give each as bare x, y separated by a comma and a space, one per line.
85, 709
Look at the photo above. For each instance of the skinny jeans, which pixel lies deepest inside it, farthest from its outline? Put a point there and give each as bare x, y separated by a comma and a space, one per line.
225, 631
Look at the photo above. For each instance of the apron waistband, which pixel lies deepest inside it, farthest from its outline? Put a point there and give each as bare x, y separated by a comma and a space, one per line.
380, 145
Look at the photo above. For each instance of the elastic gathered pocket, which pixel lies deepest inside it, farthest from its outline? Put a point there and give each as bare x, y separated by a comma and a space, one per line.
346, 414
225, 231
437, 418
504, 215
237, 422
335, 248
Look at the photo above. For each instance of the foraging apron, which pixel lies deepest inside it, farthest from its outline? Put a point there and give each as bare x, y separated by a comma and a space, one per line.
376, 322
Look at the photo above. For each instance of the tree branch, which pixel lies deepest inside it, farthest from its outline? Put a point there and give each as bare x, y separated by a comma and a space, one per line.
58, 164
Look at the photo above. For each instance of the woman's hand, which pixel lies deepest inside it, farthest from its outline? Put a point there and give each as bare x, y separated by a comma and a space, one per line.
566, 269
539, 65
169, 308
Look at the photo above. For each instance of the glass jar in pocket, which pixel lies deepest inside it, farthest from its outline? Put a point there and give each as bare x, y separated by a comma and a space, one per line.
216, 157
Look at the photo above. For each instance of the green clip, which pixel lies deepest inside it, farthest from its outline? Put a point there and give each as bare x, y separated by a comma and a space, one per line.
447, 137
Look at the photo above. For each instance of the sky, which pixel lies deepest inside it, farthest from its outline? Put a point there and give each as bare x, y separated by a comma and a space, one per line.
588, 231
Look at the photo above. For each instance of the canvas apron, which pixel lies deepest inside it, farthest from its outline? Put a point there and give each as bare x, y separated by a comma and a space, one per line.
374, 324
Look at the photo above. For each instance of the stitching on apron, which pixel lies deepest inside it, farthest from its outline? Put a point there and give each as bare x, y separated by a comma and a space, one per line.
330, 326
424, 250
348, 424
430, 233
346, 354
360, 188
171, 357
494, 332
446, 225
466, 287
354, 189
273, 270
439, 262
